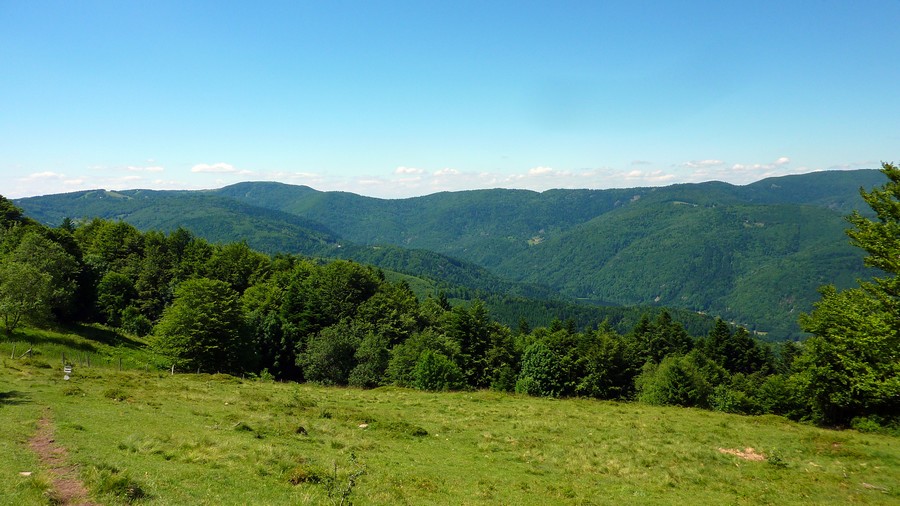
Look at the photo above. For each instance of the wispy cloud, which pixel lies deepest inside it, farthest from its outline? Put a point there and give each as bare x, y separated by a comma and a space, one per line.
540, 171
43, 176
408, 170
219, 168
756, 167
151, 168
699, 164
735, 172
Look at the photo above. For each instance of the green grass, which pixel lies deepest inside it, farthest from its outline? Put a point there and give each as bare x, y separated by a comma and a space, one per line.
154, 438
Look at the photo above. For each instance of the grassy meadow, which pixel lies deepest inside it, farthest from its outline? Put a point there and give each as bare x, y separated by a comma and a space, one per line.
141, 435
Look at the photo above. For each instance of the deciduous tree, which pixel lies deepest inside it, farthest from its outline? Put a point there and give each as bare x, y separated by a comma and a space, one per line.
24, 294
850, 367
203, 328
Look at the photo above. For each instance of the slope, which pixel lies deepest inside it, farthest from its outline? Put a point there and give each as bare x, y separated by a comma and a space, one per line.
210, 216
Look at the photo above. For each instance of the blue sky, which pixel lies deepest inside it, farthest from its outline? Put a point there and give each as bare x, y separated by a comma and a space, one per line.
396, 99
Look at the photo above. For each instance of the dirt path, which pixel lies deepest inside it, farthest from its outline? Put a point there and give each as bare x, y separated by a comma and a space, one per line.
67, 490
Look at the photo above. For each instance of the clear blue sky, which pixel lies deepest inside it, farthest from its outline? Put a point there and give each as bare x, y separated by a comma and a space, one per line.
397, 99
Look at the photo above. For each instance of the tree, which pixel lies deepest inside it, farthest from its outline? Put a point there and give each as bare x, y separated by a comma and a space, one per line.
435, 372
405, 356
203, 328
237, 265
679, 380
117, 245
609, 367
114, 293
541, 373
24, 294
737, 351
330, 355
11, 215
372, 358
52, 259
850, 367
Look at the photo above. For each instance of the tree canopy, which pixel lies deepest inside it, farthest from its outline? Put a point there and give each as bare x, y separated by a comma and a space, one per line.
851, 365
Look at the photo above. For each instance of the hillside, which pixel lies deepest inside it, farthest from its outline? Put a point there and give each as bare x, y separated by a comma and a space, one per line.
754, 254
217, 439
209, 216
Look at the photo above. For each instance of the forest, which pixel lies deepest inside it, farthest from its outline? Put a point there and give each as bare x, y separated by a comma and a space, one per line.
225, 307
753, 254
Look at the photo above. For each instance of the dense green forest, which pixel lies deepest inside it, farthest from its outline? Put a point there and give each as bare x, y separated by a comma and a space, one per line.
753, 254
214, 307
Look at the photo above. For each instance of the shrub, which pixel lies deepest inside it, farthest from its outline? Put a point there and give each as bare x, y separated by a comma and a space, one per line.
136, 323
541, 374
434, 371
677, 381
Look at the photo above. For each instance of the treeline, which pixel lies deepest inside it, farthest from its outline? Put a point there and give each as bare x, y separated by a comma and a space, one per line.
227, 308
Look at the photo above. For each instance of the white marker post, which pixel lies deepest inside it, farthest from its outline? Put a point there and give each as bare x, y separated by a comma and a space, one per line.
67, 370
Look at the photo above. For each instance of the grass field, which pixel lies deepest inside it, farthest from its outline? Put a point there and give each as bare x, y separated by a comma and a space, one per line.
156, 438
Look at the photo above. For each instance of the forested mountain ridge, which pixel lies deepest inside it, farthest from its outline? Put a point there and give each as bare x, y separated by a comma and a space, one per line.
204, 213
227, 308
755, 254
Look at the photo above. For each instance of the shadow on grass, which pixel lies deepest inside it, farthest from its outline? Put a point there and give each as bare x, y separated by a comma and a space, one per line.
104, 335
33, 338
80, 337
13, 398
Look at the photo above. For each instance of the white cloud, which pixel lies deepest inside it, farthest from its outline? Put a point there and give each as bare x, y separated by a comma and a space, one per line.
756, 167
649, 177
540, 171
42, 176
408, 170
405, 181
215, 168
151, 168
699, 164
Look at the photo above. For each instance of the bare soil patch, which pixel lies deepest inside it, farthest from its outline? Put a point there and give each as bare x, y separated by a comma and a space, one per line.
67, 490
746, 454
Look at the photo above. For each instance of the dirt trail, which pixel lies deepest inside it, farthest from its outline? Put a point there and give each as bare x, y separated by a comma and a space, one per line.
67, 489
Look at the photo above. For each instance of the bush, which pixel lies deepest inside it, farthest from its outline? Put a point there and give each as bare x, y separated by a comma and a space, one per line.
876, 424
136, 323
541, 374
777, 395
506, 379
330, 355
728, 399
435, 372
676, 381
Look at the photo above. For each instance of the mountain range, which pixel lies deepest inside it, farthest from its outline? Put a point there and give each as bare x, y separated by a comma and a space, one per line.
753, 254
